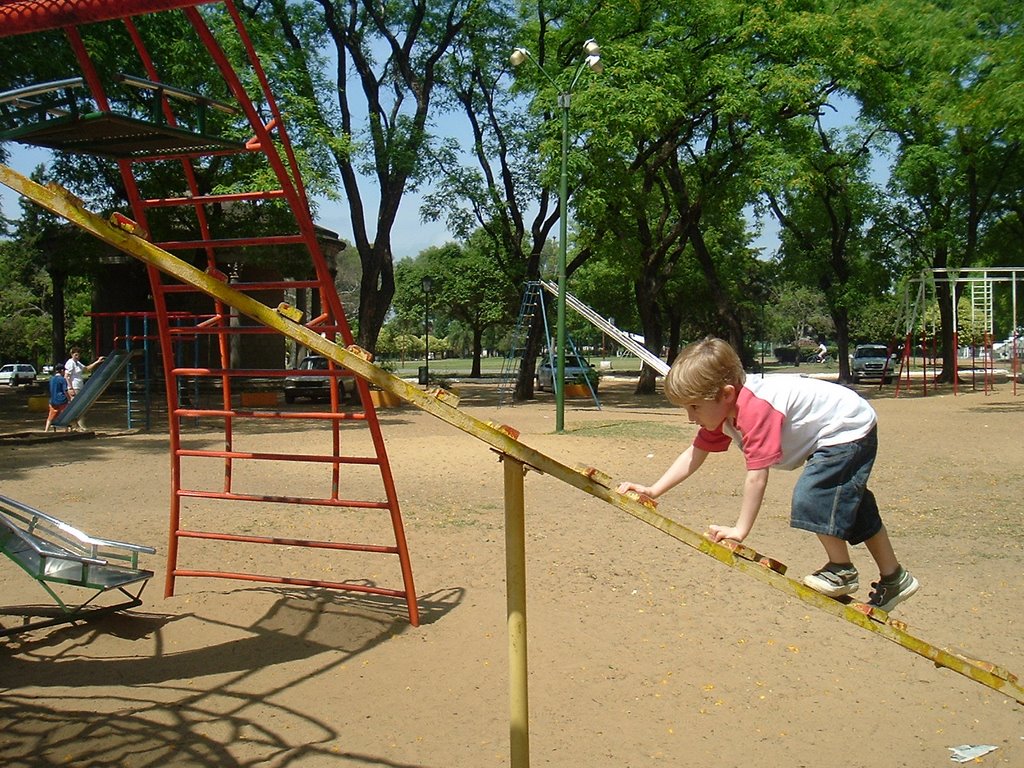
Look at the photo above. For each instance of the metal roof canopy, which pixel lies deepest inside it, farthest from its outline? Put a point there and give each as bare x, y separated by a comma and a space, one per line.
116, 136
19, 17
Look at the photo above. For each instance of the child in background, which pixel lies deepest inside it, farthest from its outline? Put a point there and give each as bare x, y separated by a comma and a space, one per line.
58, 396
788, 422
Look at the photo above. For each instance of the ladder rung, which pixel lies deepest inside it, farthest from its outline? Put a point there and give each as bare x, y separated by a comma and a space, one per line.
742, 550
165, 202
235, 242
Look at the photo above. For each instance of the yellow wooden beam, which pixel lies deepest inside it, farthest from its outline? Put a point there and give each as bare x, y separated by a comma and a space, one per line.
504, 439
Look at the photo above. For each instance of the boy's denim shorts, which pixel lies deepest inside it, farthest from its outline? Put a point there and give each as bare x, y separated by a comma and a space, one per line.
832, 496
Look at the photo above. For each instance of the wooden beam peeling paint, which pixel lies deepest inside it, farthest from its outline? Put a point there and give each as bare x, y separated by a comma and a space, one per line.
504, 439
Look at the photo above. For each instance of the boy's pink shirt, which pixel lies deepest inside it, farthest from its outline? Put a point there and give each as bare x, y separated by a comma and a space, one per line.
781, 420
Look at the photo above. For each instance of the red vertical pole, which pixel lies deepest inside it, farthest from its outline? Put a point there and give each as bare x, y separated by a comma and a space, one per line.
956, 361
924, 362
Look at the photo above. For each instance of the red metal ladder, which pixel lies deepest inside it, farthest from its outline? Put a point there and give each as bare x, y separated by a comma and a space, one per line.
225, 343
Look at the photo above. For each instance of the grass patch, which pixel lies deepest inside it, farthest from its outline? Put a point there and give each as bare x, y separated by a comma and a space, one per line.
635, 429
483, 516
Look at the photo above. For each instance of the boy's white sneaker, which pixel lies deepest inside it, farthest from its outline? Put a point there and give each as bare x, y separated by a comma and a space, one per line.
834, 579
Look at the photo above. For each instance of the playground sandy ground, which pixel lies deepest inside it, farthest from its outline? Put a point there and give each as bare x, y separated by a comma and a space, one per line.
642, 651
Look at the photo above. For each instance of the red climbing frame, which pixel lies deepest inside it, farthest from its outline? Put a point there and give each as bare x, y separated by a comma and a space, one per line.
217, 334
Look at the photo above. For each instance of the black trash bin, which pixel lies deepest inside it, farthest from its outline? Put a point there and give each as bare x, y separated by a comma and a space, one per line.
423, 375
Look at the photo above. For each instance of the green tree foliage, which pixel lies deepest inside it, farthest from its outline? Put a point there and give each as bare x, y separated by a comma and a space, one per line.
24, 319
876, 320
703, 111
467, 291
63, 258
387, 60
507, 188
680, 138
794, 311
947, 100
44, 310
824, 211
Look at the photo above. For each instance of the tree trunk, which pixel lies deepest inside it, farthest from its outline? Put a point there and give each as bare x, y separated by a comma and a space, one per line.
58, 312
647, 291
376, 290
843, 348
478, 348
528, 366
723, 304
945, 296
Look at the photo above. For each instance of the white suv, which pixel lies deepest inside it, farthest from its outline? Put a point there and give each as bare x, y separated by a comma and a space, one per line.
14, 374
872, 361
578, 370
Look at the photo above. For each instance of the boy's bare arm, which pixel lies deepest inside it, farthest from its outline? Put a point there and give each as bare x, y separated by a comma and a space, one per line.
688, 462
753, 494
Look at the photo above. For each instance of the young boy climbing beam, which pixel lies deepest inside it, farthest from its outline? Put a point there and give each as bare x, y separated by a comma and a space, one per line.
788, 422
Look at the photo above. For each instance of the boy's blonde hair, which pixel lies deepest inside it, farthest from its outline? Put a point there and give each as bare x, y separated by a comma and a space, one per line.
702, 370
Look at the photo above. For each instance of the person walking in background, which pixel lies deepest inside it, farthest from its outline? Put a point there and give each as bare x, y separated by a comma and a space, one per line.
58, 396
74, 372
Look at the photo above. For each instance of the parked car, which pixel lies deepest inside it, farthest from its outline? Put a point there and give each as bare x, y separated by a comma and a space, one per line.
577, 371
872, 361
14, 374
1004, 350
311, 385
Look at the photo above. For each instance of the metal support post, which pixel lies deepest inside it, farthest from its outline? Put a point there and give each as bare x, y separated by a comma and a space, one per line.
515, 575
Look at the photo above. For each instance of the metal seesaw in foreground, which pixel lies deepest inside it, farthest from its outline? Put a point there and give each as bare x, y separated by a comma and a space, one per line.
517, 458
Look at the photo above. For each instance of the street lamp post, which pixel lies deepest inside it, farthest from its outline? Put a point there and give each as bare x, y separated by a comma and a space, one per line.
427, 284
593, 63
